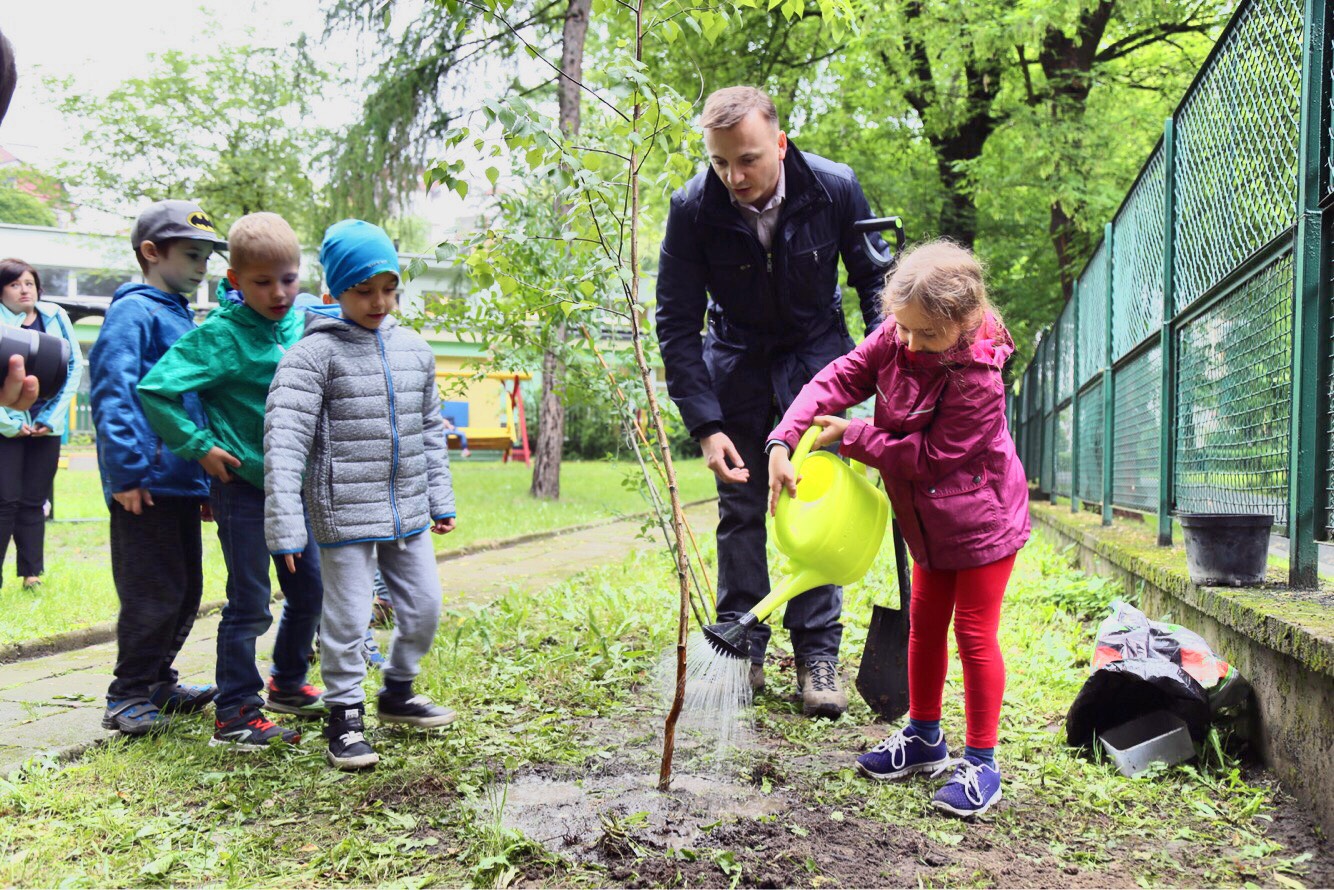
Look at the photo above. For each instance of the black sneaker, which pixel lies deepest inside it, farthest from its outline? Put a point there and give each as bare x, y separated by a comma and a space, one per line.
134, 716
415, 710
250, 731
304, 701
348, 748
181, 698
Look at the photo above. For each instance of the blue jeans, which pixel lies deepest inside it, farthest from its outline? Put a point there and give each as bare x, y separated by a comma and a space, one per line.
238, 509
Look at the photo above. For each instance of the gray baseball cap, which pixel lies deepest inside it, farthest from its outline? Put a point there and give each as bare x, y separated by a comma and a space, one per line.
175, 219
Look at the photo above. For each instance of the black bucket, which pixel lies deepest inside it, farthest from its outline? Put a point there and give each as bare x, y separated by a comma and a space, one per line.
1226, 549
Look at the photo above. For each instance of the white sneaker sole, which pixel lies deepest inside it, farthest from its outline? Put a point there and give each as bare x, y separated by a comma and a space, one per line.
423, 722
248, 747
904, 773
350, 763
967, 814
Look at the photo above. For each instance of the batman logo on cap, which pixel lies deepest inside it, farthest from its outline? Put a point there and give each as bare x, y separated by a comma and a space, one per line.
200, 220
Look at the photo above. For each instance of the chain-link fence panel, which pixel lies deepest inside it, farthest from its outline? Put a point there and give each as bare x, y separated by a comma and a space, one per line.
1234, 400
1048, 456
1137, 270
1138, 419
1329, 408
1064, 450
1236, 176
1065, 346
1089, 484
1092, 295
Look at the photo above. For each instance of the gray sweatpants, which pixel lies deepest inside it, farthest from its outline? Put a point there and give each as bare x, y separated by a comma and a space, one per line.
411, 574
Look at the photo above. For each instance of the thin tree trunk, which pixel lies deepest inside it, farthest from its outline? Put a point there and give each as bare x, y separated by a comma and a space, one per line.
551, 415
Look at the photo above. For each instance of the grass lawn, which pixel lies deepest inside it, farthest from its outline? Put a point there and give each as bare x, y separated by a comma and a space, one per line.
554, 692
492, 498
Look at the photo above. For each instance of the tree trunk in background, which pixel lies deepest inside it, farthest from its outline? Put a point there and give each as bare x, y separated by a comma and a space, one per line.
551, 416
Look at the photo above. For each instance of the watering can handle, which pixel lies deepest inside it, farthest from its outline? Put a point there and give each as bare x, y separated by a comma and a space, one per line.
804, 447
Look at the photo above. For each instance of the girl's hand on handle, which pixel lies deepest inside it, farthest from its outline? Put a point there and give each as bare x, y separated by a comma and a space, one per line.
782, 475
721, 456
831, 432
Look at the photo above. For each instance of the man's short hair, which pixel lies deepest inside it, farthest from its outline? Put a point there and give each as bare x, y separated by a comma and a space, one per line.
731, 105
262, 238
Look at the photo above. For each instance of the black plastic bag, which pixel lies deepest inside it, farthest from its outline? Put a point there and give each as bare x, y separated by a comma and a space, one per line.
1141, 666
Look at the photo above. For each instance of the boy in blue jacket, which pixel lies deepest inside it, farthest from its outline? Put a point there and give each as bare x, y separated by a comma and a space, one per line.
154, 496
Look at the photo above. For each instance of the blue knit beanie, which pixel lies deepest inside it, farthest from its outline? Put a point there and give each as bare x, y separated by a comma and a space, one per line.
353, 251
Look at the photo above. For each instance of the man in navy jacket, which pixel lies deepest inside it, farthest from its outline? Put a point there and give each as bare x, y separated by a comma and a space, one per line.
750, 257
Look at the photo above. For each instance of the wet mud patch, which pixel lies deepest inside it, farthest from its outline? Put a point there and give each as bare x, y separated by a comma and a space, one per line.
610, 817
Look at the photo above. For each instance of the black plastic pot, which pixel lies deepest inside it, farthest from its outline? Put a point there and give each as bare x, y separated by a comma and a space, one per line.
1226, 549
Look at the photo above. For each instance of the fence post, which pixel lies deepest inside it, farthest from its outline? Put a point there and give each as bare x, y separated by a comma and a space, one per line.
1167, 339
1108, 385
1307, 318
1049, 422
1074, 400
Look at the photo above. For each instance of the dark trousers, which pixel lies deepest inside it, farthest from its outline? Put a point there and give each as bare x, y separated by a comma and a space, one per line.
238, 508
812, 618
157, 564
27, 472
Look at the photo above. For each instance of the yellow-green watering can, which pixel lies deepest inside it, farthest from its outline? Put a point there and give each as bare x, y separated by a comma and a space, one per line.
830, 533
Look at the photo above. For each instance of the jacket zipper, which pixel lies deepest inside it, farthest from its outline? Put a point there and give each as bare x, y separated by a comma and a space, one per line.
393, 430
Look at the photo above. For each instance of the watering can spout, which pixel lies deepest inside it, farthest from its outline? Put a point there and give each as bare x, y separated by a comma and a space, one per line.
829, 532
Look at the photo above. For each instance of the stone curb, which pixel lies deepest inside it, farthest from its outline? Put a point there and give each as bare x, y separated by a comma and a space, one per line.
1299, 624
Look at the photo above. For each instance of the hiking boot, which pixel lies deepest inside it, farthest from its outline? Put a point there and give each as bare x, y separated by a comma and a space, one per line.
304, 701
134, 716
903, 754
821, 693
756, 677
414, 710
181, 698
346, 731
971, 791
250, 730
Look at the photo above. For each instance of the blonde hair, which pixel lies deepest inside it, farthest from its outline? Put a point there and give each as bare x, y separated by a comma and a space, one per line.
262, 238
731, 105
944, 279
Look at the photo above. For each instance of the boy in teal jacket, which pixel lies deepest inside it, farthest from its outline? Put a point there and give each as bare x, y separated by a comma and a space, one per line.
229, 361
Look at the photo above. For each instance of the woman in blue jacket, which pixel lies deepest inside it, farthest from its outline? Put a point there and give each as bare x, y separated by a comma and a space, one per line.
30, 440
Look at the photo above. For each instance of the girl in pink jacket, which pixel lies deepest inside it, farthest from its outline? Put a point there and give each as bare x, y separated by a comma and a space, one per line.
941, 444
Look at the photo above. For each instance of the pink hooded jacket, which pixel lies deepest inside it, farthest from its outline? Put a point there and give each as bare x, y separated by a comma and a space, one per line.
939, 440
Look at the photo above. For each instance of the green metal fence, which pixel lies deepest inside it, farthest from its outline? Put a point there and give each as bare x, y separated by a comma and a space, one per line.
1191, 369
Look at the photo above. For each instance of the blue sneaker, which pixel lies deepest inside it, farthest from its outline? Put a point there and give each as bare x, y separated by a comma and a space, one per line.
903, 754
972, 789
134, 716
181, 698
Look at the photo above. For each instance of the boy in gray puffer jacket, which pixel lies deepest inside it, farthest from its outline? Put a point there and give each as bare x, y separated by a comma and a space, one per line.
353, 425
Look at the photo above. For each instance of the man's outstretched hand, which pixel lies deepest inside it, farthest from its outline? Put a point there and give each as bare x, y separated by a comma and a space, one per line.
19, 390
721, 456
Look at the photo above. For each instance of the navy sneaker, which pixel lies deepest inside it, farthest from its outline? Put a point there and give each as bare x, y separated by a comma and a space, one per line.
251, 731
304, 701
971, 791
181, 698
903, 754
134, 716
413, 710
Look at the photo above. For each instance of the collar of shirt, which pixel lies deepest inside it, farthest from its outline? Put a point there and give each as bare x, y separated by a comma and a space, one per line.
774, 201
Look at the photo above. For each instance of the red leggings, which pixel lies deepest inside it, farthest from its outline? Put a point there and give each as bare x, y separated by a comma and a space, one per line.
973, 596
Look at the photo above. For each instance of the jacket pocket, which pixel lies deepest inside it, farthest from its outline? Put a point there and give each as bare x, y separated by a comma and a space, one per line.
813, 273
958, 511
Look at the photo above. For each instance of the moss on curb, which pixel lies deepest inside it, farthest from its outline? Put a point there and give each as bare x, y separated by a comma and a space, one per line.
1297, 623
